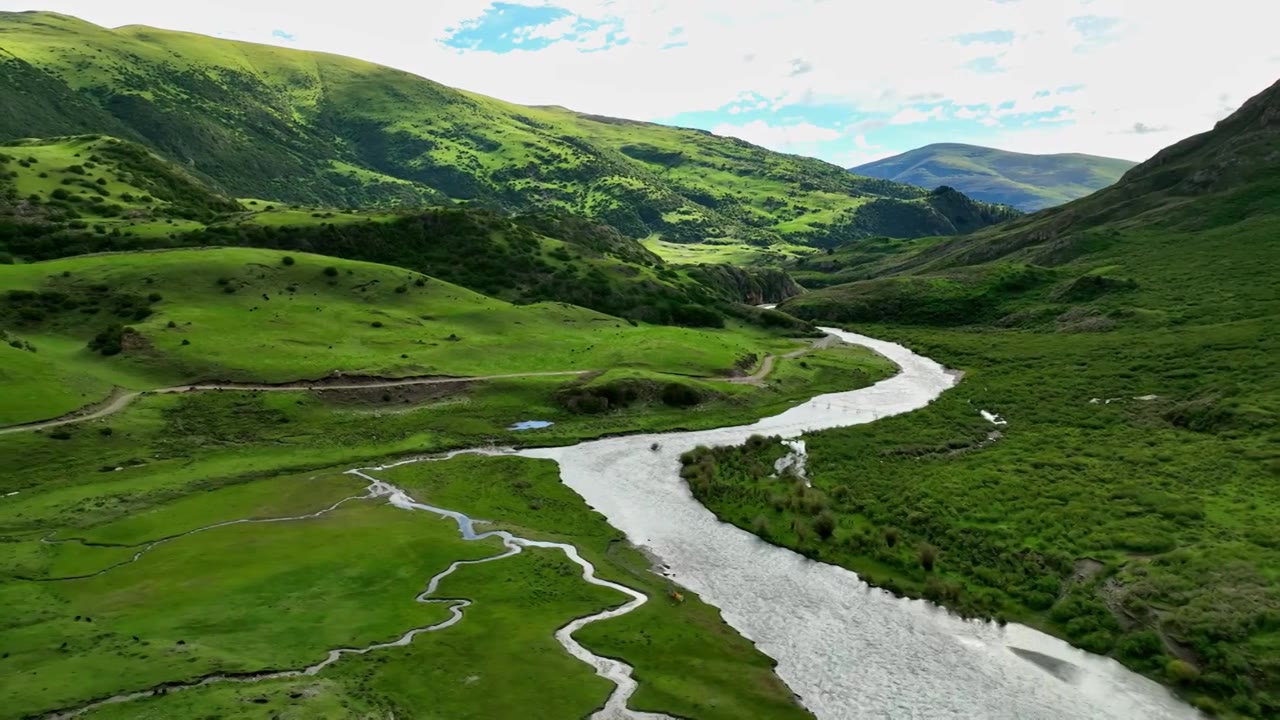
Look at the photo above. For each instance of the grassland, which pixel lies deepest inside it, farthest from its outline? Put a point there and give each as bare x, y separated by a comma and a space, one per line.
737, 254
264, 316
478, 668
320, 130
1027, 182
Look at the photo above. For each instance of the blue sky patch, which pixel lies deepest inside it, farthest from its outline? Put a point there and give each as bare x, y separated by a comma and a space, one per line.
988, 64
504, 27
999, 37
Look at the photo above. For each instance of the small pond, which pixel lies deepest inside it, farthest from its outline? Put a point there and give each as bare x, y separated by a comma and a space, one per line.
531, 425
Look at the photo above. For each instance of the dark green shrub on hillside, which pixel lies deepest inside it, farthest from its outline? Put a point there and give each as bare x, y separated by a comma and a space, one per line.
111, 341
679, 395
287, 260
692, 315
331, 271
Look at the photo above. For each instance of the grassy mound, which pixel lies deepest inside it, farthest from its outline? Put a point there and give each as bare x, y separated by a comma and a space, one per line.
162, 318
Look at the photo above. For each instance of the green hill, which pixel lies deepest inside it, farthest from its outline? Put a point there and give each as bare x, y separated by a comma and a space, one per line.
88, 194
77, 326
316, 129
1027, 182
1129, 340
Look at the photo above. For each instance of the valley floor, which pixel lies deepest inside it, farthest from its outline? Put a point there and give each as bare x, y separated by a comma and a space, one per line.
92, 619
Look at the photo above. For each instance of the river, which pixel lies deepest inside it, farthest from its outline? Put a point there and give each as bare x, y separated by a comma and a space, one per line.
848, 650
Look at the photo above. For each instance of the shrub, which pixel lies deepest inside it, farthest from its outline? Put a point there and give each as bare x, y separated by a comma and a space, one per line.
111, 340
825, 524
376, 323
331, 271
760, 526
679, 395
1181, 672
105, 432
928, 556
287, 260
155, 297
186, 341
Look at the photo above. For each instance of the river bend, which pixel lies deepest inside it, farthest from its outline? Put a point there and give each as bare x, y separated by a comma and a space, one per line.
849, 650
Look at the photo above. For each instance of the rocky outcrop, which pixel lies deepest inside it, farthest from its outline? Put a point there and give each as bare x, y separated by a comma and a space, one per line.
752, 286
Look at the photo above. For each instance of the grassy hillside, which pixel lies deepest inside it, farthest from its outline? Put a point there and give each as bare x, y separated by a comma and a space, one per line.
1027, 182
86, 194
161, 318
309, 128
99, 179
1128, 339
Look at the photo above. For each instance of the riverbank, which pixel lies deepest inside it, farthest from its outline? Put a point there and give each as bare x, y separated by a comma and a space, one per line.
820, 620
1095, 513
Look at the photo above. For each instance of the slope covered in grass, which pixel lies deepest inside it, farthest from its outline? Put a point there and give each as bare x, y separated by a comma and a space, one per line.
1129, 340
259, 315
269, 122
84, 194
1027, 182
95, 178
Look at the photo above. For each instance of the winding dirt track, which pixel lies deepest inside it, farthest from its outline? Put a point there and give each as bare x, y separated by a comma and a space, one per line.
766, 367
120, 399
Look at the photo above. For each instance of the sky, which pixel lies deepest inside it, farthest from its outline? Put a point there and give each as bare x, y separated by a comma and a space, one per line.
848, 81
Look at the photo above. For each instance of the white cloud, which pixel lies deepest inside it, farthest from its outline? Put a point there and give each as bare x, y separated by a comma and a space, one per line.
553, 30
778, 137
912, 115
1164, 64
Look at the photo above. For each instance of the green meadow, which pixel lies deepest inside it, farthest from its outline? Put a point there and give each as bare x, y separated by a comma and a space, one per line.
266, 316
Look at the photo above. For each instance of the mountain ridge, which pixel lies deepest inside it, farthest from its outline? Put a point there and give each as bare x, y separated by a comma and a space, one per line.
321, 129
1026, 181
